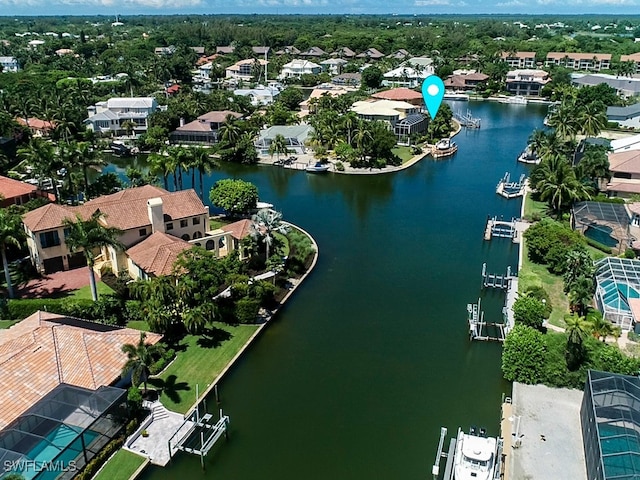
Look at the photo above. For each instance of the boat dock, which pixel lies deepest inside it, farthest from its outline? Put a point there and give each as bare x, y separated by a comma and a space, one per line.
467, 120
512, 229
508, 189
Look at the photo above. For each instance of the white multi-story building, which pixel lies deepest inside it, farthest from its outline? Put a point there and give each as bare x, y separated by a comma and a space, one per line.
297, 68
111, 115
520, 59
9, 64
580, 61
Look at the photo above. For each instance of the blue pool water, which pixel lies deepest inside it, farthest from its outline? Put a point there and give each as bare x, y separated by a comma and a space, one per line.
601, 234
622, 444
616, 294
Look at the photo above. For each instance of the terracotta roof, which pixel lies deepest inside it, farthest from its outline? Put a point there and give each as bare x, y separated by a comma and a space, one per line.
219, 116
579, 56
157, 253
627, 162
518, 55
402, 94
125, 210
634, 57
239, 229
627, 187
10, 188
46, 349
36, 123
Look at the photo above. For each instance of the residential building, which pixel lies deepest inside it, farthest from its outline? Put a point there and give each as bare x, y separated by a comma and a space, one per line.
635, 58
138, 212
526, 82
407, 76
260, 95
170, 50
262, 51
519, 60
465, 83
204, 71
371, 54
388, 111
628, 117
313, 52
53, 350
296, 68
245, 69
344, 52
580, 61
324, 90
225, 50
625, 170
15, 192
399, 54
295, 135
625, 87
198, 50
9, 64
110, 116
625, 144
288, 50
333, 66
204, 129
401, 95
61, 52
38, 128
347, 79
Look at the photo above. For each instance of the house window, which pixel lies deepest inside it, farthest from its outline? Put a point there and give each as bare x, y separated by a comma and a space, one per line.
49, 239
66, 232
169, 226
196, 220
184, 223
142, 232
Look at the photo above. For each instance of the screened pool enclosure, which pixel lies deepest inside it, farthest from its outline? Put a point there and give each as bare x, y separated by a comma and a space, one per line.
618, 290
62, 432
605, 223
610, 418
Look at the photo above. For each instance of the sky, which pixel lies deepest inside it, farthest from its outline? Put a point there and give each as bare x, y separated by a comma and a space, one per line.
420, 7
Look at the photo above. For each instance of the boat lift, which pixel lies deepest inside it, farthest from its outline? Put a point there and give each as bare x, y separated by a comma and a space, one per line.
467, 120
508, 189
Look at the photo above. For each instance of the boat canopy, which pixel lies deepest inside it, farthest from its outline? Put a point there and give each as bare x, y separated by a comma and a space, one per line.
478, 448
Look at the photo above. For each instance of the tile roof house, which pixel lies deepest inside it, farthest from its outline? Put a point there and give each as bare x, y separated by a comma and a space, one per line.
38, 128
288, 50
580, 61
526, 82
347, 79
264, 51
399, 54
519, 59
345, 52
156, 254
15, 192
402, 95
110, 116
45, 350
313, 52
225, 50
138, 212
333, 66
625, 169
204, 129
371, 54
244, 69
466, 82
625, 116
634, 57
298, 67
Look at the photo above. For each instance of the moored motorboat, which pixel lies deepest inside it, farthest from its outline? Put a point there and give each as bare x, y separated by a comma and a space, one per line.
475, 456
444, 148
456, 96
318, 168
529, 156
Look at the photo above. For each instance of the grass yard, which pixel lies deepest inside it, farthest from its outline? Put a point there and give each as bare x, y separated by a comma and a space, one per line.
532, 274
216, 223
532, 207
138, 325
121, 466
200, 363
7, 323
404, 153
84, 293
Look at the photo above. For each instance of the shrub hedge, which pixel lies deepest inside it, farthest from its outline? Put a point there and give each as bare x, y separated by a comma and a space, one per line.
22, 308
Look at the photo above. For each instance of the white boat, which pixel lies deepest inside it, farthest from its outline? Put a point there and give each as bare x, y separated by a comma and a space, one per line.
318, 168
444, 148
515, 100
529, 157
456, 96
475, 457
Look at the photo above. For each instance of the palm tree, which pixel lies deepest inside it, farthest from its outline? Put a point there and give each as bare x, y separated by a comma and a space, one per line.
41, 156
363, 137
88, 235
601, 328
129, 127
204, 163
140, 357
349, 122
10, 228
558, 185
581, 294
565, 120
278, 145
265, 224
577, 330
87, 158
230, 130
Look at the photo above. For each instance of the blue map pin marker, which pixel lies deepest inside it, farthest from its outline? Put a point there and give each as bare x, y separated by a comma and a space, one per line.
433, 93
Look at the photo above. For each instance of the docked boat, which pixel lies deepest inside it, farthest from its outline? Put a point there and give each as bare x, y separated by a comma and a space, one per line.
444, 148
475, 457
529, 156
318, 168
456, 96
121, 149
515, 100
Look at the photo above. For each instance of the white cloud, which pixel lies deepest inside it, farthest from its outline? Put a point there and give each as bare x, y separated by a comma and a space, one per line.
104, 3
511, 3
426, 3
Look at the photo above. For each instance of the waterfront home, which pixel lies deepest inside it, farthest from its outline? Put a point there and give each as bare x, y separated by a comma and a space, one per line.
618, 291
295, 136
403, 118
628, 117
344, 52
526, 82
465, 82
138, 212
109, 116
625, 169
406, 76
333, 66
245, 69
371, 54
635, 58
519, 60
401, 95
260, 95
625, 87
204, 129
15, 192
313, 52
38, 128
325, 89
9, 64
580, 61
625, 144
298, 67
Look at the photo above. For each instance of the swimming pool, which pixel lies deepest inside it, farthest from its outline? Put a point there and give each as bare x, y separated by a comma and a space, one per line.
616, 294
601, 234
619, 450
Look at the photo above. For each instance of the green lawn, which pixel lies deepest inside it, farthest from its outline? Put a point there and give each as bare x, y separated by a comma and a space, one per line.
216, 223
404, 153
532, 206
200, 363
285, 243
7, 323
84, 293
121, 466
138, 325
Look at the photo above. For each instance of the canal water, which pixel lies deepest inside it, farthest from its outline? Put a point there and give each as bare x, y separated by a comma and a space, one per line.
371, 356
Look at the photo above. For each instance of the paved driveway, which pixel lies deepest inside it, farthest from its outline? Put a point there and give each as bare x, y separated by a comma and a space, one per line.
57, 284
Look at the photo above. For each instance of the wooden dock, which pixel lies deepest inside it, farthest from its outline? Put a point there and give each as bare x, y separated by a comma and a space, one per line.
508, 189
467, 120
512, 229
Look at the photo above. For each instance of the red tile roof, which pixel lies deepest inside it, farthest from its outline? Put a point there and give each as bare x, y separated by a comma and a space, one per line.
47, 217
36, 123
46, 349
157, 253
239, 229
10, 188
626, 162
400, 94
